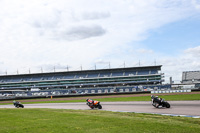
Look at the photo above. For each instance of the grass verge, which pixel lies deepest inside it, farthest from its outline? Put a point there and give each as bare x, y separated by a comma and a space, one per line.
90, 121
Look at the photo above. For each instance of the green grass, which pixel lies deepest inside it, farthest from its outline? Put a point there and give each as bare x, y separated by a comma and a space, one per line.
91, 121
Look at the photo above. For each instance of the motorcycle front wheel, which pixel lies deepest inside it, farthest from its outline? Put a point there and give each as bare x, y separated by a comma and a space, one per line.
167, 105
99, 107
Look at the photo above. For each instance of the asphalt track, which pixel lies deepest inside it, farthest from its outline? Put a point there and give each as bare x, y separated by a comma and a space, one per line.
189, 108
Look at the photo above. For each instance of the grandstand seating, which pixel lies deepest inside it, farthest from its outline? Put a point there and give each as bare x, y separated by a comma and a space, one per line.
153, 72
114, 74
89, 77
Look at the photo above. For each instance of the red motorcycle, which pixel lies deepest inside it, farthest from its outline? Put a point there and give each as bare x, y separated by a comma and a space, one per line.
93, 104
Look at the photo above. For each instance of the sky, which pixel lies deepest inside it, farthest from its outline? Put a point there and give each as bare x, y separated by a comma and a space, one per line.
59, 35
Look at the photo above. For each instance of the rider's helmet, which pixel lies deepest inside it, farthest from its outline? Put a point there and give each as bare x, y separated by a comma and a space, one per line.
152, 96
87, 100
14, 101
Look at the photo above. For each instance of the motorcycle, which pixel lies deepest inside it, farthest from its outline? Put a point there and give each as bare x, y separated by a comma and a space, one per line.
18, 104
95, 104
159, 103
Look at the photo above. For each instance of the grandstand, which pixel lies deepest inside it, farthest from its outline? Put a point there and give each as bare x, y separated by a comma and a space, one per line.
191, 77
87, 81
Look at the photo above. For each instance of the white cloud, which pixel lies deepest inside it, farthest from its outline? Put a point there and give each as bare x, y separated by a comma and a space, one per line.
82, 32
144, 51
196, 4
188, 60
95, 15
73, 33
195, 52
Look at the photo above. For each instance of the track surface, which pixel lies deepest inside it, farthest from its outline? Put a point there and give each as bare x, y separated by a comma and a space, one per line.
177, 107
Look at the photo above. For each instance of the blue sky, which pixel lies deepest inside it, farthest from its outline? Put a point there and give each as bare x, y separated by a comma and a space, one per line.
50, 34
174, 37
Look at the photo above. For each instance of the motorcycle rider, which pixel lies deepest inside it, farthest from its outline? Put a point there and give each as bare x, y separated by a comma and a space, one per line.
90, 101
156, 99
15, 102
93, 104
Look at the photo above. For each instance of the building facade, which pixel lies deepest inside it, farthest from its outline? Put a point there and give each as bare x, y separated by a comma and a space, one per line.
85, 81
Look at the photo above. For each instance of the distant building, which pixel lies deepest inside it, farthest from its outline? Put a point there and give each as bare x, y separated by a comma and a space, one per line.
171, 81
191, 77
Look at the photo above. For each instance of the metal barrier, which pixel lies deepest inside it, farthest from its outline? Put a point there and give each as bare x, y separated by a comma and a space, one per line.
83, 92
171, 91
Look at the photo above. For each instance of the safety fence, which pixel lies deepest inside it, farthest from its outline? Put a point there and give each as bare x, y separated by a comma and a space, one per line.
170, 91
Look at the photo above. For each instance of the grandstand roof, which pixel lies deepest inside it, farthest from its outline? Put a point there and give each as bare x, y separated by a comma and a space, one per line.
157, 67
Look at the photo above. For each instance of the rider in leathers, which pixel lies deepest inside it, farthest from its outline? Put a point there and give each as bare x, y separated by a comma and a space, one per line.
155, 99
90, 101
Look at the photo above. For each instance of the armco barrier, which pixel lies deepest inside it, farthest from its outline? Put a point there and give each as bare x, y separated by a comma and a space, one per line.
171, 91
71, 95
